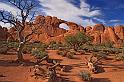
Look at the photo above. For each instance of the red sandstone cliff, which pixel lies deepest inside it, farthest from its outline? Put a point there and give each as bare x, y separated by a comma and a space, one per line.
49, 30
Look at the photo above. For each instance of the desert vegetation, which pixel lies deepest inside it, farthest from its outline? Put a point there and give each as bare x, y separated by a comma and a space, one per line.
96, 55
72, 54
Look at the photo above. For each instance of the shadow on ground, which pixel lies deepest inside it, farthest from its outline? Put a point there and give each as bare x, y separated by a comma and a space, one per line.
100, 80
7, 63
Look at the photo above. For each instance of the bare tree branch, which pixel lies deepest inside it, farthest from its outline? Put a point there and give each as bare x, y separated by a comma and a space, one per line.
20, 21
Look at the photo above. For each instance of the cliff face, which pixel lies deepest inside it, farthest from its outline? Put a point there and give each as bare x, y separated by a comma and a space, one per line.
104, 34
49, 30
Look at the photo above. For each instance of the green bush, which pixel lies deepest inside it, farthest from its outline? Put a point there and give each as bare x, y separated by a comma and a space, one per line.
86, 48
3, 50
53, 45
39, 46
108, 44
70, 55
39, 54
27, 49
13, 45
100, 54
77, 40
3, 47
62, 53
86, 76
119, 57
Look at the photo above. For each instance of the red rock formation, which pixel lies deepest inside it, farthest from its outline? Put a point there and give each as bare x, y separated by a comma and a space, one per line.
99, 27
104, 34
88, 30
72, 26
119, 30
3, 33
49, 25
96, 32
109, 35
12, 34
49, 31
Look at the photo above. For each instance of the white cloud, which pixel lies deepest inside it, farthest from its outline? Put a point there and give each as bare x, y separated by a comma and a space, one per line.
100, 20
111, 21
64, 26
67, 11
9, 8
4, 25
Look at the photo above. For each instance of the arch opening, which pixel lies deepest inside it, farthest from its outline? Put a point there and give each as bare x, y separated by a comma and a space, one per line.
64, 26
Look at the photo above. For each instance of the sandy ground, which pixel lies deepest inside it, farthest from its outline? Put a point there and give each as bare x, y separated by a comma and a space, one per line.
13, 72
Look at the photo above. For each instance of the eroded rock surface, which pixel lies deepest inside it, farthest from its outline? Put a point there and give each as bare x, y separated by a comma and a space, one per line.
49, 30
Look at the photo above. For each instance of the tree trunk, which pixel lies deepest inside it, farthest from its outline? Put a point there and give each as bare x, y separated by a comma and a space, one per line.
19, 53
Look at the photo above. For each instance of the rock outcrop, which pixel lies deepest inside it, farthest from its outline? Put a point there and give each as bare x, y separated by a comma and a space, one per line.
49, 30
3, 33
102, 34
119, 30
49, 25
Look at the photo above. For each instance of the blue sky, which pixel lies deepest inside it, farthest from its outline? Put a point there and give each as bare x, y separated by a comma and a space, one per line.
84, 12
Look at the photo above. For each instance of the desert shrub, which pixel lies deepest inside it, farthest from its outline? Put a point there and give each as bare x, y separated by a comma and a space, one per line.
54, 45
60, 44
62, 53
122, 51
85, 47
3, 42
86, 76
40, 46
77, 40
113, 50
27, 49
100, 54
96, 49
3, 50
39, 54
62, 48
70, 55
3, 47
92, 48
119, 57
13, 44
81, 51
108, 44
122, 44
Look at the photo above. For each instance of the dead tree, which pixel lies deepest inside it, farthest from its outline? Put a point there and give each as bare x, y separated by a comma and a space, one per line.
52, 73
42, 59
38, 72
19, 22
93, 64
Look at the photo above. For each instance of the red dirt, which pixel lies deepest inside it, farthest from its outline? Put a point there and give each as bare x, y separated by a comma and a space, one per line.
13, 72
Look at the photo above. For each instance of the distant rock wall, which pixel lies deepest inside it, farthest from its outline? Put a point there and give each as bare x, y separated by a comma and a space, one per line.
103, 34
49, 30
